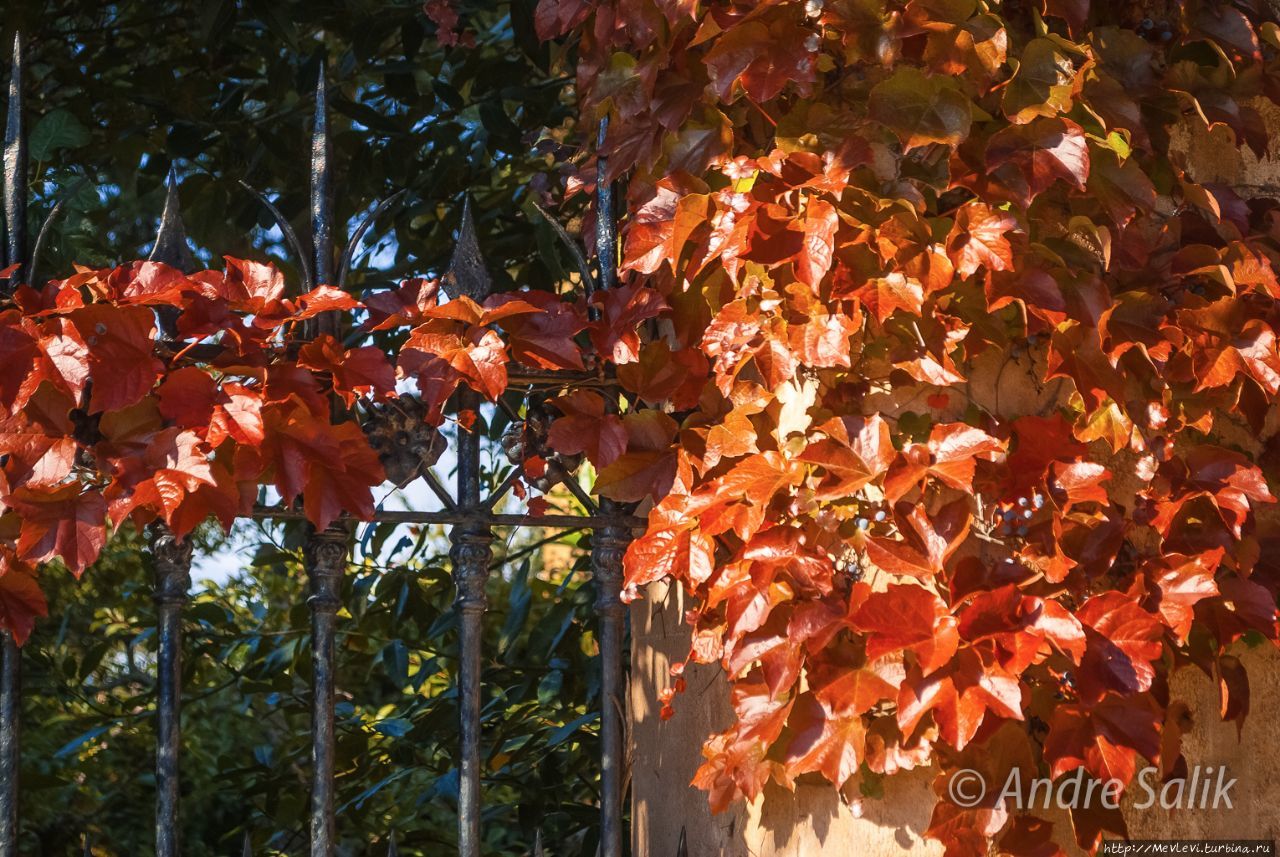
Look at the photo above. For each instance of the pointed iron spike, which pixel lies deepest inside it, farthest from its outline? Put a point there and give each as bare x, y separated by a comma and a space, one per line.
392, 850
171, 236
348, 255
15, 165
579, 259
290, 237
537, 844
606, 228
88, 846
682, 848
43, 237
321, 184
467, 274
247, 851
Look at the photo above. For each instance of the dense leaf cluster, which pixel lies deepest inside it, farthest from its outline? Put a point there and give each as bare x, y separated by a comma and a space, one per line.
852, 224
149, 394
869, 219
116, 418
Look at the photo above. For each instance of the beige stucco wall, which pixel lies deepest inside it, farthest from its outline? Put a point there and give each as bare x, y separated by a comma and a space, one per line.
814, 820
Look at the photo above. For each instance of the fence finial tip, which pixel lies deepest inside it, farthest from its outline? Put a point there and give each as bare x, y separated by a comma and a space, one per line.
13, 168
467, 274
392, 850
322, 93
682, 848
537, 844
247, 851
171, 236
321, 185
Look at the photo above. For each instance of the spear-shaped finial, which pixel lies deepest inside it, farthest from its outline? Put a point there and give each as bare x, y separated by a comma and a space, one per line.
392, 850
171, 249
606, 228
247, 850
15, 165
467, 274
321, 185
171, 236
682, 847
537, 844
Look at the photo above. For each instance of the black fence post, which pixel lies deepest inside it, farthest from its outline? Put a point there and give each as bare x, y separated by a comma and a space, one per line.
171, 564
15, 217
321, 188
471, 554
327, 550
326, 558
171, 560
15, 166
10, 723
608, 544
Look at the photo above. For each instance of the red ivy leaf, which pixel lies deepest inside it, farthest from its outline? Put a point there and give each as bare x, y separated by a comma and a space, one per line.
586, 428
1122, 641
622, 310
118, 344
66, 522
977, 239
910, 617
1105, 737
21, 601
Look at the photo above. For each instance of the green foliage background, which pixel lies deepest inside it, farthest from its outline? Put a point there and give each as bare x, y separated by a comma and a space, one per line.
89, 705
224, 89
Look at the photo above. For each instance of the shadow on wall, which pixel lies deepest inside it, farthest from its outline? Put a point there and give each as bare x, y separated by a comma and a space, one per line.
665, 756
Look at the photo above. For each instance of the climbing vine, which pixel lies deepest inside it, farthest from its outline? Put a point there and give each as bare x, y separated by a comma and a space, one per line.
947, 385
139, 392
142, 393
967, 378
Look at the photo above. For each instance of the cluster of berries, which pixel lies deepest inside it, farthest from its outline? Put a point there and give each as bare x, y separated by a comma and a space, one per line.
1155, 31
1015, 518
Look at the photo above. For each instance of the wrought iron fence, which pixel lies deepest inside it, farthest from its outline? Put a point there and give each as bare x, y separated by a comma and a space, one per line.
469, 514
